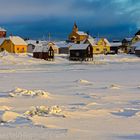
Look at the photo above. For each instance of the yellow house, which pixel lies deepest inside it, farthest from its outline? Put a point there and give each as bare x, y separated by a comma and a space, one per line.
77, 36
14, 44
100, 45
136, 39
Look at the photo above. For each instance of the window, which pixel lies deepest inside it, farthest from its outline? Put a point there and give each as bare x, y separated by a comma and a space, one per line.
2, 49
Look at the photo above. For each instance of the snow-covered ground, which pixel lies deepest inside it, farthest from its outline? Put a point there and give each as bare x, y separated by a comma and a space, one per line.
63, 100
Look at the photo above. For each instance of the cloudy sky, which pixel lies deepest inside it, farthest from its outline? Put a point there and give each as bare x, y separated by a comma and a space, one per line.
36, 18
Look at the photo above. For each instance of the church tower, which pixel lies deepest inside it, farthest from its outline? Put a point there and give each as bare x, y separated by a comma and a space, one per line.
75, 27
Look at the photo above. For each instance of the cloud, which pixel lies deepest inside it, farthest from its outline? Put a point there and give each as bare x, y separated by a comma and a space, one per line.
88, 13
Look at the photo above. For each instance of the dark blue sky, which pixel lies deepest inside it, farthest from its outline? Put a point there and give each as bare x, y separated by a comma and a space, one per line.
36, 18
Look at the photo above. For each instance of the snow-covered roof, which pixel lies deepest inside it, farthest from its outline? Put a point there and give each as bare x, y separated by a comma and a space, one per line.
41, 48
38, 48
16, 40
1, 40
105, 40
138, 36
128, 39
2, 29
81, 33
137, 48
91, 41
79, 46
115, 44
63, 44
137, 44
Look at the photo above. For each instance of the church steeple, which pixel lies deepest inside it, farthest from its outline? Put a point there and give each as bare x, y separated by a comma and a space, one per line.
75, 27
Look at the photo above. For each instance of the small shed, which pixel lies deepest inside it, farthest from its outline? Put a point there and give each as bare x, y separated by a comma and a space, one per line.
43, 52
81, 52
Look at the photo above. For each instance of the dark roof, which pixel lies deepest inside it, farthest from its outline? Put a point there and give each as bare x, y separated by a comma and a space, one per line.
138, 33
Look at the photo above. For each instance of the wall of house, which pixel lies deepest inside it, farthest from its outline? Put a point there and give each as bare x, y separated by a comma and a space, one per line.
101, 47
8, 46
20, 49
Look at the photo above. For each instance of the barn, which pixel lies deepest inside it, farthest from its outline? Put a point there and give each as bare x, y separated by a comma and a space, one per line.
81, 52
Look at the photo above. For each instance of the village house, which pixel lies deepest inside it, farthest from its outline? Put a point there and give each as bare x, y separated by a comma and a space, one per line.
31, 45
134, 46
126, 45
77, 36
136, 39
102, 46
2, 33
81, 52
14, 44
137, 49
43, 52
114, 47
54, 46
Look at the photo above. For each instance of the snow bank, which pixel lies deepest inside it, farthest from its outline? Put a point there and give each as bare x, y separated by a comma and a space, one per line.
19, 59
10, 116
32, 93
44, 111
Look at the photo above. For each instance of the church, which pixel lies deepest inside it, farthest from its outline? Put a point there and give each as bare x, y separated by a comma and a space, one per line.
77, 36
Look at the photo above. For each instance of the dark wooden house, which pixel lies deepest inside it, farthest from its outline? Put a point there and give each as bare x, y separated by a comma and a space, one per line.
43, 52
114, 47
81, 52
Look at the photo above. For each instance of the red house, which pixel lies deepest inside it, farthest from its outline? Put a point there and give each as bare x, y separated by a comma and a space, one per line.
2, 33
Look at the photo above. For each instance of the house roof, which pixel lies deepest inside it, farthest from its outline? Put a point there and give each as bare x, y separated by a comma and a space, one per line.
128, 39
81, 33
137, 48
79, 46
1, 40
16, 40
137, 44
106, 41
2, 29
91, 41
41, 48
115, 44
138, 36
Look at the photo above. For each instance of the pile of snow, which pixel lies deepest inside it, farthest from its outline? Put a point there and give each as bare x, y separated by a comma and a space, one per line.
9, 116
44, 111
114, 86
82, 81
25, 92
19, 59
5, 108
